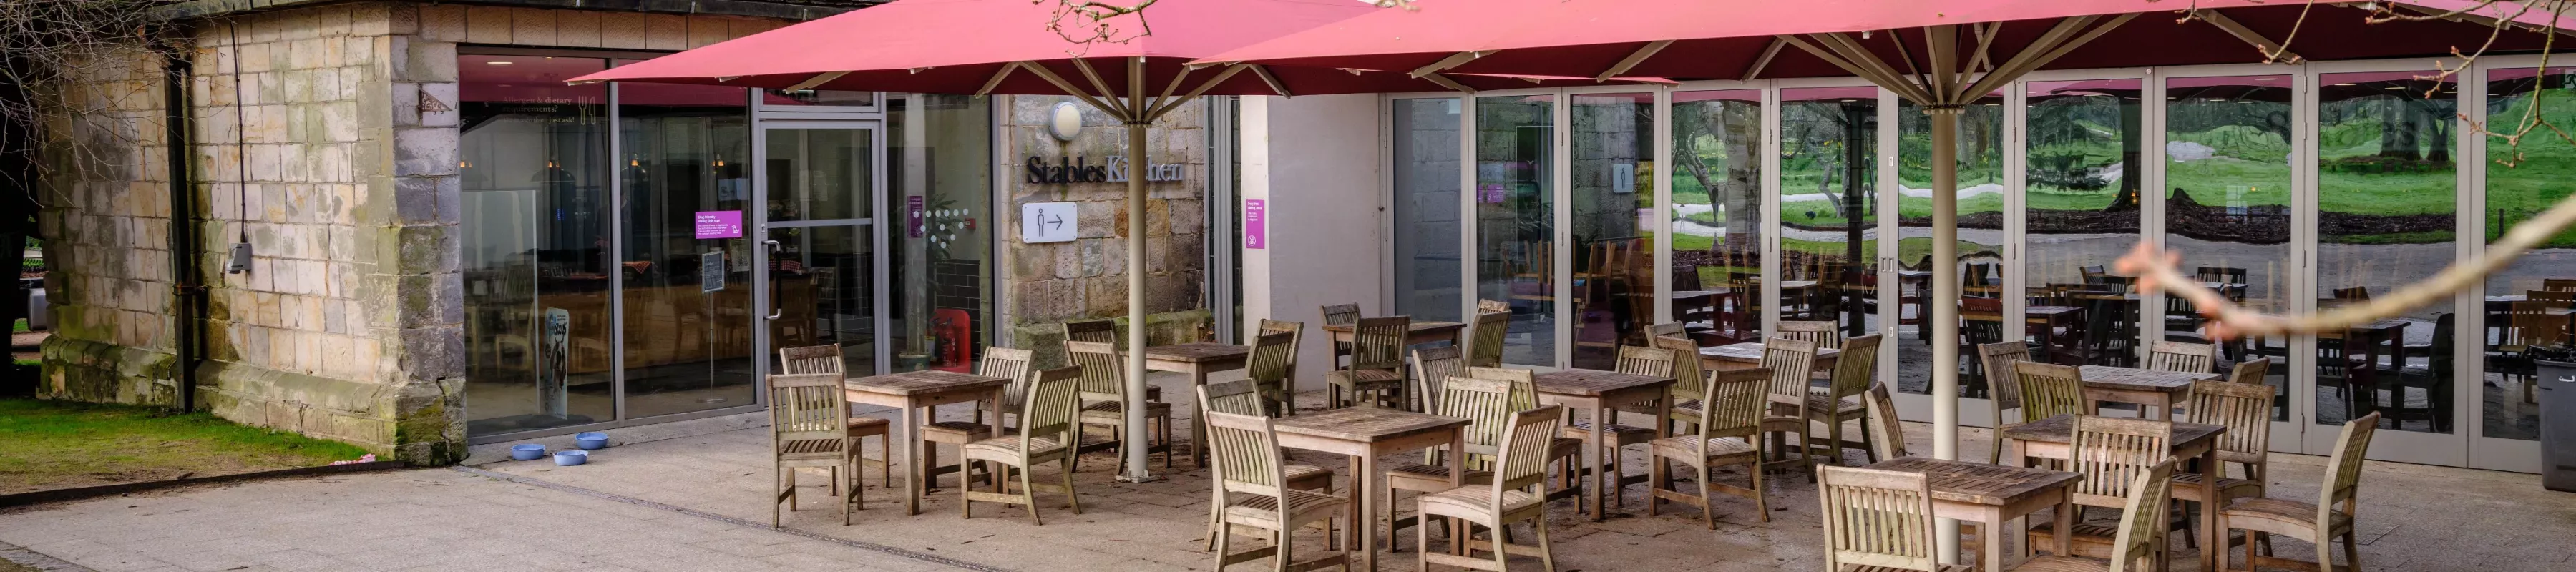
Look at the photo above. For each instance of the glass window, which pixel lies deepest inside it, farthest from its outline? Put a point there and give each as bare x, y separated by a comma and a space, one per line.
1828, 209
534, 243
2386, 208
818, 98
822, 281
941, 167
1516, 219
1717, 221
1426, 209
1980, 245
1613, 200
2083, 212
819, 174
2521, 182
2227, 204
688, 339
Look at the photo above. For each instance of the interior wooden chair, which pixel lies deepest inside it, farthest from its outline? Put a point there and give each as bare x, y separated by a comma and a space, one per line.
1484, 305
1431, 367
2111, 453
1487, 404
1664, 329
2246, 411
1524, 396
2049, 390
1243, 397
1616, 438
1376, 370
809, 428
1687, 378
1485, 337
2558, 284
2182, 357
2004, 388
1729, 433
1272, 368
1104, 399
827, 359
2139, 543
1878, 520
1853, 375
2330, 518
1823, 333
1789, 359
1517, 492
1048, 433
998, 362
1253, 488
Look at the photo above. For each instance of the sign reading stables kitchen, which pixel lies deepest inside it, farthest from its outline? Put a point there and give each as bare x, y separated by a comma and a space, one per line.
1068, 170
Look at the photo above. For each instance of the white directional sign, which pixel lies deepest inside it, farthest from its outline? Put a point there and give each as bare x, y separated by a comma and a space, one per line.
1048, 222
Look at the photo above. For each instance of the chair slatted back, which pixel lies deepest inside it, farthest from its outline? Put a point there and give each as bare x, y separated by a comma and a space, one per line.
1789, 360
1485, 342
1524, 384
804, 406
1047, 410
1273, 356
1239, 397
2246, 411
1998, 360
2112, 452
1856, 367
1665, 329
1270, 326
1634, 360
2344, 483
1100, 331
1524, 451
2558, 284
2049, 390
811, 359
1245, 450
1378, 343
1876, 517
1103, 377
1433, 367
2535, 327
2141, 535
2251, 371
1486, 403
1340, 314
1686, 371
1887, 434
1822, 333
1736, 401
1008, 363
1483, 305
2182, 356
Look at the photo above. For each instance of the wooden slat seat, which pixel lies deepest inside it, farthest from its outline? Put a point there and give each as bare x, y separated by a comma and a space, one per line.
2089, 537
1265, 509
1716, 448
1472, 500
951, 431
1942, 568
816, 448
2279, 516
2063, 564
1009, 447
2188, 485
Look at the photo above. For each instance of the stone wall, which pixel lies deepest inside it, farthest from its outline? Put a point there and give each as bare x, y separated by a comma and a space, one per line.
1087, 278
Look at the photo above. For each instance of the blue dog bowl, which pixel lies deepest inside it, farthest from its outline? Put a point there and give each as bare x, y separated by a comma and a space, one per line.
527, 452
591, 441
570, 458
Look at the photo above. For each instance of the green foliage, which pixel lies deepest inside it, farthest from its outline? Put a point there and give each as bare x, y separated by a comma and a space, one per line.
54, 444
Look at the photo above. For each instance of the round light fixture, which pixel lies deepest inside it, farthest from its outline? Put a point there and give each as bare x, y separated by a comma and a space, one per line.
1066, 123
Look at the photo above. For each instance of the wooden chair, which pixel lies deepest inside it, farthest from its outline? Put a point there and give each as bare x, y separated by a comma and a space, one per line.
1887, 432
1243, 397
2246, 411
1853, 375
998, 362
1998, 359
2049, 390
827, 359
1878, 520
1104, 398
2139, 541
1654, 362
1099, 331
1789, 360
1270, 326
2330, 518
2182, 357
1524, 396
1483, 305
1339, 315
1253, 488
1485, 338
1272, 368
809, 428
1664, 329
1377, 364
1729, 433
2111, 453
1823, 333
1687, 378
2557, 298
1432, 367
1487, 403
1048, 433
2558, 284
1518, 492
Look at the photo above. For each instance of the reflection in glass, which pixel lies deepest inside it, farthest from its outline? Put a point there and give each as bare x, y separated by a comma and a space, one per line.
533, 243
819, 174
940, 167
1828, 209
688, 348
1614, 193
1980, 246
1717, 225
2521, 182
2083, 212
1515, 219
2227, 200
820, 283
2385, 185
1426, 209
818, 97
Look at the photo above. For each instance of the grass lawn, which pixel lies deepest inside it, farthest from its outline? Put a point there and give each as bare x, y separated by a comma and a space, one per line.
56, 444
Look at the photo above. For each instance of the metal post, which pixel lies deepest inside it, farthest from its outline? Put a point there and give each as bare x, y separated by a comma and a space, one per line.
1134, 448
1944, 317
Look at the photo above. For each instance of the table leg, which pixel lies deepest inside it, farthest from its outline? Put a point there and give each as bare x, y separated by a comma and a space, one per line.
1593, 460
1991, 534
2212, 540
1198, 419
1457, 478
913, 475
1364, 519
2058, 526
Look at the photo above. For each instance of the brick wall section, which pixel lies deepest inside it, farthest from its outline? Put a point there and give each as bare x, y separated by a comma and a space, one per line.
106, 227
1087, 278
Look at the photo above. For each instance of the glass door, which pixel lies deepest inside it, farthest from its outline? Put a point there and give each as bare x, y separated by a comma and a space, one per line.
1981, 177
821, 281
2228, 180
2524, 317
1517, 252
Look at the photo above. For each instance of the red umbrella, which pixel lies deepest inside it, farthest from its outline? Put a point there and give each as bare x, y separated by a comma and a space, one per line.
1134, 66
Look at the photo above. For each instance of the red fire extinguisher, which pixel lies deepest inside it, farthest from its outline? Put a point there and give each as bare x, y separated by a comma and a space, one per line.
951, 344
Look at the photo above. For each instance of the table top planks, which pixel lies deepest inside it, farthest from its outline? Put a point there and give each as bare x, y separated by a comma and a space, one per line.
2134, 379
1593, 382
1365, 424
1198, 352
923, 382
1751, 352
1980, 483
1417, 326
2061, 429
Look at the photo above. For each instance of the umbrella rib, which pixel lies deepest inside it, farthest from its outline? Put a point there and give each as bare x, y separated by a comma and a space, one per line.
1871, 67
997, 78
1060, 83
818, 79
2062, 47
1643, 52
1203, 88
1986, 33
1264, 72
1106, 94
2035, 51
2271, 50
1165, 100
1897, 37
1943, 44
1454, 60
1764, 61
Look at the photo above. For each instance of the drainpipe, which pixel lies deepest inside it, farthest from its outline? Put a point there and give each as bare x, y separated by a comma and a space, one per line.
187, 295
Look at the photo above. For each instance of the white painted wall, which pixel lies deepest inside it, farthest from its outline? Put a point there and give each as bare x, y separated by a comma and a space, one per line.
1315, 158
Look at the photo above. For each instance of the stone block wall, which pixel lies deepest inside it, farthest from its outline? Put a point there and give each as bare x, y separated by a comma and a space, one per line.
1087, 278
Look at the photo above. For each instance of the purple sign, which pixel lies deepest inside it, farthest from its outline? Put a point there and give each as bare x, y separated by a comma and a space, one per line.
1256, 224
719, 224
912, 215
1490, 193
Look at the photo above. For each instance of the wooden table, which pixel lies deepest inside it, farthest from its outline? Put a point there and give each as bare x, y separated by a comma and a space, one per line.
1599, 392
915, 393
1992, 496
1748, 355
2043, 322
2050, 439
2145, 387
1422, 332
1197, 360
1363, 434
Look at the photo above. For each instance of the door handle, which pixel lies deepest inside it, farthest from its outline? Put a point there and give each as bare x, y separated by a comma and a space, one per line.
774, 310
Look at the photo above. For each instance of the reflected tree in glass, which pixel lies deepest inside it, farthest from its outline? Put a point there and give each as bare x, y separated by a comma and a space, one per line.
1716, 184
2227, 179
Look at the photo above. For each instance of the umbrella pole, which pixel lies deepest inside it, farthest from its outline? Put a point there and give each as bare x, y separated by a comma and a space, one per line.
1137, 120
1944, 317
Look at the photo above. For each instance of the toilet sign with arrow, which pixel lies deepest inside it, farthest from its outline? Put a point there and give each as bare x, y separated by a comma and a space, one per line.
1048, 222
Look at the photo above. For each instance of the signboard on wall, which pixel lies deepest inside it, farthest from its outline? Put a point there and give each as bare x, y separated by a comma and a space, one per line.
1256, 224
1048, 222
719, 224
